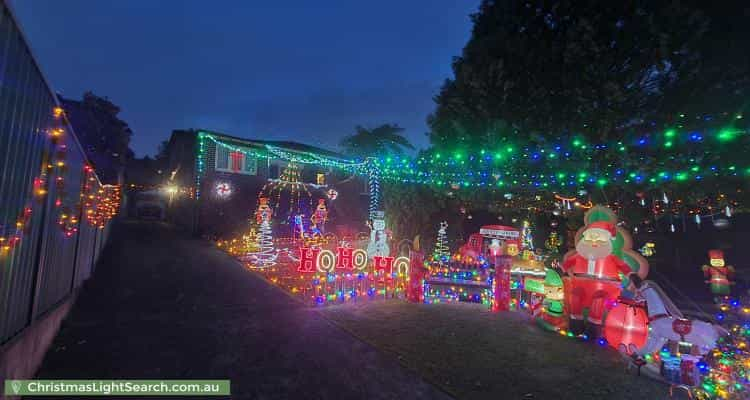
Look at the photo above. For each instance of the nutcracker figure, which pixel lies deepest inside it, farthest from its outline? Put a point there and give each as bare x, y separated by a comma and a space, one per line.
264, 211
719, 273
319, 218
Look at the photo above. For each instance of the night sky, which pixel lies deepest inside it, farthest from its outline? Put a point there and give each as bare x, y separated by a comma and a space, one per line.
296, 70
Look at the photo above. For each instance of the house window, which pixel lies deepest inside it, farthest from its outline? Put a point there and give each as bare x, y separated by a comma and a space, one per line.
273, 171
320, 179
237, 162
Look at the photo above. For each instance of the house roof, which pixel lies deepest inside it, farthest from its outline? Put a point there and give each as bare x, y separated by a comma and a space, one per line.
282, 144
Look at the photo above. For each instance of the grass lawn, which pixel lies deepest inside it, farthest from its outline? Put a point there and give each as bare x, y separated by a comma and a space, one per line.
473, 353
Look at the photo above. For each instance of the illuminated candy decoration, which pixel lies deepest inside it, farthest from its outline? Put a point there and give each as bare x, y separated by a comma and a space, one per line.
415, 287
401, 266
326, 261
345, 258
223, 190
501, 283
384, 264
359, 259
308, 259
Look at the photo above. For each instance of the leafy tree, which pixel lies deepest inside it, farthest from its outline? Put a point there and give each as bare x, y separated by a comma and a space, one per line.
384, 139
556, 68
407, 220
103, 135
162, 151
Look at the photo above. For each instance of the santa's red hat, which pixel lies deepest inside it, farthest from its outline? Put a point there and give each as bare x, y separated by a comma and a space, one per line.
603, 225
715, 254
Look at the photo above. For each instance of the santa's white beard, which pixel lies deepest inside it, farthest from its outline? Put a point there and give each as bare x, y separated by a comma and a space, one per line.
589, 252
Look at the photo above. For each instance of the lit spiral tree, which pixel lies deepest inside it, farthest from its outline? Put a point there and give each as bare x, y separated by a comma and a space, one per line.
442, 252
265, 254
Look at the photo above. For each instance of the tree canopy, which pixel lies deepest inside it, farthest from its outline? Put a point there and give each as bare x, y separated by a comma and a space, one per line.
384, 139
590, 68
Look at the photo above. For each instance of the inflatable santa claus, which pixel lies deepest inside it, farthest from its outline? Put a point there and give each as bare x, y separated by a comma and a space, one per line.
598, 269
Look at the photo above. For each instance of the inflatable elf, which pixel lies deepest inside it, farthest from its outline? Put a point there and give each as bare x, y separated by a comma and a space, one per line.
719, 273
552, 317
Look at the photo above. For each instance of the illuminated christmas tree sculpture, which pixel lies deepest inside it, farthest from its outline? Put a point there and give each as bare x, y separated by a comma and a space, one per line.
442, 252
265, 255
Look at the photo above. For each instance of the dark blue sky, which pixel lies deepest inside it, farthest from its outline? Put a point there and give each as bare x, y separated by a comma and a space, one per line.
296, 69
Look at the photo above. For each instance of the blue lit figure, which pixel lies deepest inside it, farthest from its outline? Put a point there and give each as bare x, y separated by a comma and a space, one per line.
299, 226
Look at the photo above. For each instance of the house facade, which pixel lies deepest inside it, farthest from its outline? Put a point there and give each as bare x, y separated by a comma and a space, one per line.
217, 180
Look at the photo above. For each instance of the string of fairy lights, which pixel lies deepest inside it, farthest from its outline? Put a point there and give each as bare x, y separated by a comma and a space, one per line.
96, 203
678, 154
673, 155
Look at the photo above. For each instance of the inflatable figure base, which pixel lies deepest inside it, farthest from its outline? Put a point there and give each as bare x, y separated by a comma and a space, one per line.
550, 323
577, 326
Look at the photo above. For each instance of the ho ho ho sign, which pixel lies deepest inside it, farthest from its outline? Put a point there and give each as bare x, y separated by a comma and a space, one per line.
348, 259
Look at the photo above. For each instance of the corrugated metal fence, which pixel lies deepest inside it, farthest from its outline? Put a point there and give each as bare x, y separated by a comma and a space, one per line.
41, 179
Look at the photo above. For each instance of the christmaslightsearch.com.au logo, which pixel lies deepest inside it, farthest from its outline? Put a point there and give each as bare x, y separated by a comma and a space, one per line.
117, 387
